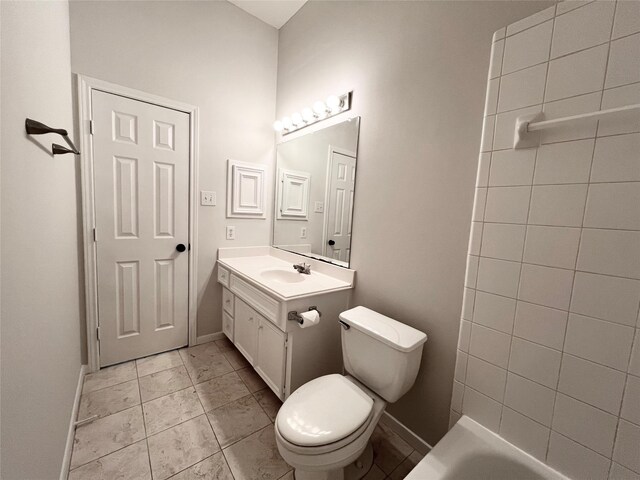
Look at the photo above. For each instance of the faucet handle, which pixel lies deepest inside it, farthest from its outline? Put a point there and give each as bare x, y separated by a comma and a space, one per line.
302, 267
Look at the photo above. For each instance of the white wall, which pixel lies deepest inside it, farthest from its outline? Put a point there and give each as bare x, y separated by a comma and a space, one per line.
209, 54
549, 349
40, 289
418, 71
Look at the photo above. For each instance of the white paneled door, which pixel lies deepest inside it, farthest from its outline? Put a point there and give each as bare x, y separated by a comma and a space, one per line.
141, 175
340, 190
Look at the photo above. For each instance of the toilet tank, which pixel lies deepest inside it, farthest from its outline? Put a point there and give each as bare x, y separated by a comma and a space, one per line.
380, 352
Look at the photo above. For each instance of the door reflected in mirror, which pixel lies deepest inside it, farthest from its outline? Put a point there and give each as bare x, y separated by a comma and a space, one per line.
315, 184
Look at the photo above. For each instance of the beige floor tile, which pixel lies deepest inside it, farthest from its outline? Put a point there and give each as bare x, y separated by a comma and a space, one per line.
109, 400
389, 450
221, 390
256, 457
109, 376
182, 442
375, 473
170, 410
157, 363
251, 379
213, 468
236, 420
130, 463
288, 476
236, 359
106, 435
205, 362
406, 466
269, 402
224, 345
205, 349
180, 447
163, 383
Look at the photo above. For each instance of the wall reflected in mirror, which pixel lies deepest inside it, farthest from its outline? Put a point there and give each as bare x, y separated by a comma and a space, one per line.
315, 183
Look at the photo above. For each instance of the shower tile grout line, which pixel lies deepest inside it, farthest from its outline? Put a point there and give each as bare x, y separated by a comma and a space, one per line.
144, 424
550, 428
575, 273
626, 378
630, 230
484, 212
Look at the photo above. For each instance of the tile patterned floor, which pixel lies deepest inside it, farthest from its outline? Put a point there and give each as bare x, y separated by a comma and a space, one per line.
199, 413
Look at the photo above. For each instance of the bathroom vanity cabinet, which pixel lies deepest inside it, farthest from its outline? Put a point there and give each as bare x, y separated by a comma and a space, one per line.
255, 311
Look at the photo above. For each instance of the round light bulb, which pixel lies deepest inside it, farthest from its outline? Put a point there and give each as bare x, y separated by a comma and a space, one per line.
307, 114
278, 126
320, 108
296, 119
334, 103
287, 123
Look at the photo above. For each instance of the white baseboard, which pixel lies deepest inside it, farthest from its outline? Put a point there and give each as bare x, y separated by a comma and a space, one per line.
210, 337
66, 460
407, 435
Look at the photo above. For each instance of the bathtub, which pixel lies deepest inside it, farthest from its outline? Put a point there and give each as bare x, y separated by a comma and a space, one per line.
471, 452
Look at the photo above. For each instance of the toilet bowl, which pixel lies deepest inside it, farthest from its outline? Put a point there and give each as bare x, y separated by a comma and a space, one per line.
319, 444
323, 429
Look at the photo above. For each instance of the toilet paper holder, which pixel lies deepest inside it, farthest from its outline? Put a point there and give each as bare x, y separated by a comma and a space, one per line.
294, 316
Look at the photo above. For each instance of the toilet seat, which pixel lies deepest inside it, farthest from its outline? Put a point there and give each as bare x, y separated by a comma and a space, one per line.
324, 412
335, 455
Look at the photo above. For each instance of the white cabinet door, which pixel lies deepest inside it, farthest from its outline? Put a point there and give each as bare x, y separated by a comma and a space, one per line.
227, 325
227, 301
246, 330
272, 353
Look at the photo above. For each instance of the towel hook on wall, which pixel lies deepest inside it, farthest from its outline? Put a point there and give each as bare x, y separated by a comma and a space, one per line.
34, 127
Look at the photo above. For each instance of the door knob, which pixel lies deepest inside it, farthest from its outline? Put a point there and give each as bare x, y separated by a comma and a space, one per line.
331, 242
180, 247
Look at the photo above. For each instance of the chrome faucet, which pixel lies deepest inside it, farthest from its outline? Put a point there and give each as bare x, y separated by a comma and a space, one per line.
303, 268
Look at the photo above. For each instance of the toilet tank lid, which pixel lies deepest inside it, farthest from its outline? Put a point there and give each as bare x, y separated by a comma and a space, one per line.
389, 331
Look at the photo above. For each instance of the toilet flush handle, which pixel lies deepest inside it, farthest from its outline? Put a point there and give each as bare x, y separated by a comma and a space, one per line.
345, 325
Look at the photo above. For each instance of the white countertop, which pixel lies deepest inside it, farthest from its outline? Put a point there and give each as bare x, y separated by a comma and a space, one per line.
260, 266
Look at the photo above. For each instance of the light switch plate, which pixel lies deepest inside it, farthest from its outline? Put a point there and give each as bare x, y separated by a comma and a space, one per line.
318, 207
207, 199
303, 232
231, 232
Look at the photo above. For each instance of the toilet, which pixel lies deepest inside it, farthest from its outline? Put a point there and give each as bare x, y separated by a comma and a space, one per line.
323, 428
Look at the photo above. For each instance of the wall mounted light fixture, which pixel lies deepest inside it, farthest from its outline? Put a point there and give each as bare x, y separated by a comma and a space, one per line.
333, 105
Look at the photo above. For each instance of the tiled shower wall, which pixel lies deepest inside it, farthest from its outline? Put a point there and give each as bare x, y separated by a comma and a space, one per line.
549, 347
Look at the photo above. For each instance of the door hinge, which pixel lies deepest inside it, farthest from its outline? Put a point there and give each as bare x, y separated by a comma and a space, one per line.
98, 333
90, 127
95, 235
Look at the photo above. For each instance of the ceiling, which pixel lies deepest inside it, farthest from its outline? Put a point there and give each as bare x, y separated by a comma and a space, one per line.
274, 12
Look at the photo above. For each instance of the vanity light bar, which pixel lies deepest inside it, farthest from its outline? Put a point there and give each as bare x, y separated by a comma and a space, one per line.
333, 105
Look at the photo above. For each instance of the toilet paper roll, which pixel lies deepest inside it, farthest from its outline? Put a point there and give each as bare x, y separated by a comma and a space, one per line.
310, 318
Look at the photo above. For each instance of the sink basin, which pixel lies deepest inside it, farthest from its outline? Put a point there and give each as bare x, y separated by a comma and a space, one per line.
282, 276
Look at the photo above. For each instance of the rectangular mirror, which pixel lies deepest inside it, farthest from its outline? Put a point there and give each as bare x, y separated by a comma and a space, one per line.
315, 182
